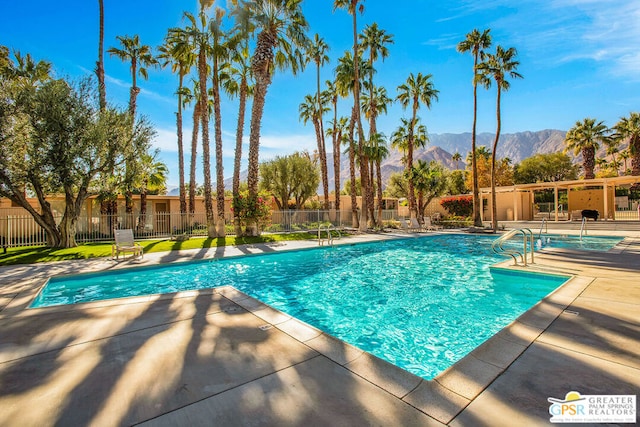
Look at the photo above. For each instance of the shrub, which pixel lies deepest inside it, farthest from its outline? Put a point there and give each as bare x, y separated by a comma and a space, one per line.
252, 209
459, 205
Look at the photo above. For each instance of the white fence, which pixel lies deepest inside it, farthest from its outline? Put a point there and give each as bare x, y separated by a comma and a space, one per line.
22, 230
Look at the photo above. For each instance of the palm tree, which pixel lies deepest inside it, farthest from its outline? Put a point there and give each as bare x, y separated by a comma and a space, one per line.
200, 40
102, 90
236, 82
475, 43
332, 93
218, 52
372, 109
375, 40
345, 78
188, 97
456, 157
317, 52
584, 137
629, 127
151, 174
613, 148
625, 155
338, 133
177, 52
499, 66
280, 25
352, 6
417, 89
140, 57
378, 151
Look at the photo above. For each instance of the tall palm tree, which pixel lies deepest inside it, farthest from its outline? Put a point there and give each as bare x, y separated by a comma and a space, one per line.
198, 34
236, 81
456, 157
332, 92
613, 148
178, 53
629, 127
281, 30
375, 40
585, 137
372, 109
475, 42
345, 83
219, 52
353, 6
311, 110
151, 174
338, 133
188, 97
140, 57
400, 137
378, 151
317, 53
625, 155
102, 89
418, 89
498, 66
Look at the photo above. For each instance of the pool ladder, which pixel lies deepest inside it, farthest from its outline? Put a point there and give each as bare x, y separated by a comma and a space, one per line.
583, 228
497, 245
328, 228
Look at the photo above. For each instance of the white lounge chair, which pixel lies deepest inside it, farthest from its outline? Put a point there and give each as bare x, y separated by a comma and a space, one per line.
415, 225
124, 243
428, 225
404, 225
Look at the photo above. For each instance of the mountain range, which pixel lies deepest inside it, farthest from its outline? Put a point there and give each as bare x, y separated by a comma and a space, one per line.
441, 147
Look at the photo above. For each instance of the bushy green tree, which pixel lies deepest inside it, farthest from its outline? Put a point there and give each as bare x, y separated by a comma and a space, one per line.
294, 177
545, 168
55, 140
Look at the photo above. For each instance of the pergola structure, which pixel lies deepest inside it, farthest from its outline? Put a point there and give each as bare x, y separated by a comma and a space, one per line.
605, 183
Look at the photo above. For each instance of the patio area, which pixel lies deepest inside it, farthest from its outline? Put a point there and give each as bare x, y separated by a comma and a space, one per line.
220, 357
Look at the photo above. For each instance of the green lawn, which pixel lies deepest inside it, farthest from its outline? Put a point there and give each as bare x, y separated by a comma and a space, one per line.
34, 254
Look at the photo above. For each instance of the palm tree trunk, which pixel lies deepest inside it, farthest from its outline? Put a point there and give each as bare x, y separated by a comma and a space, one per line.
634, 145
194, 149
238, 153
100, 64
477, 218
494, 208
352, 174
379, 182
183, 196
336, 157
589, 155
142, 218
206, 157
260, 66
321, 145
411, 195
220, 222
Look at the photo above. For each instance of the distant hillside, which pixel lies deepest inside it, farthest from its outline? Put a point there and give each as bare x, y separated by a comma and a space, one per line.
515, 146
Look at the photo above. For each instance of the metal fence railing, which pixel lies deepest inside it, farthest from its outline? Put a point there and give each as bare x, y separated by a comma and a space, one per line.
22, 230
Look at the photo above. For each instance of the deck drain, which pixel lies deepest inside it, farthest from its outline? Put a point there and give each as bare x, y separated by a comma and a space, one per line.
265, 327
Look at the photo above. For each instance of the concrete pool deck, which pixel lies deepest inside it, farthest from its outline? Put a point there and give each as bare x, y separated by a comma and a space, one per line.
219, 357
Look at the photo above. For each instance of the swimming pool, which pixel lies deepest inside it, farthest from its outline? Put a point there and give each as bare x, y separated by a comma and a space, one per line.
420, 303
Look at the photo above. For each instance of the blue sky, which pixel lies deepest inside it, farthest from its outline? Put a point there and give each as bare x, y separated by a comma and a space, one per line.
579, 58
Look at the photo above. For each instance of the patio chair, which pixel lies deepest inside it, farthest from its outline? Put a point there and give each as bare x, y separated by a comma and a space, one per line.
124, 243
415, 225
404, 225
428, 225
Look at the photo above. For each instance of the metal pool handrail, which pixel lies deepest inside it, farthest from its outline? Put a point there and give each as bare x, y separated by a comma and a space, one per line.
330, 238
497, 247
544, 225
583, 227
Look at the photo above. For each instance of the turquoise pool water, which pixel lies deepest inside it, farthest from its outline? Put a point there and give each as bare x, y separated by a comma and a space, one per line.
420, 303
588, 243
